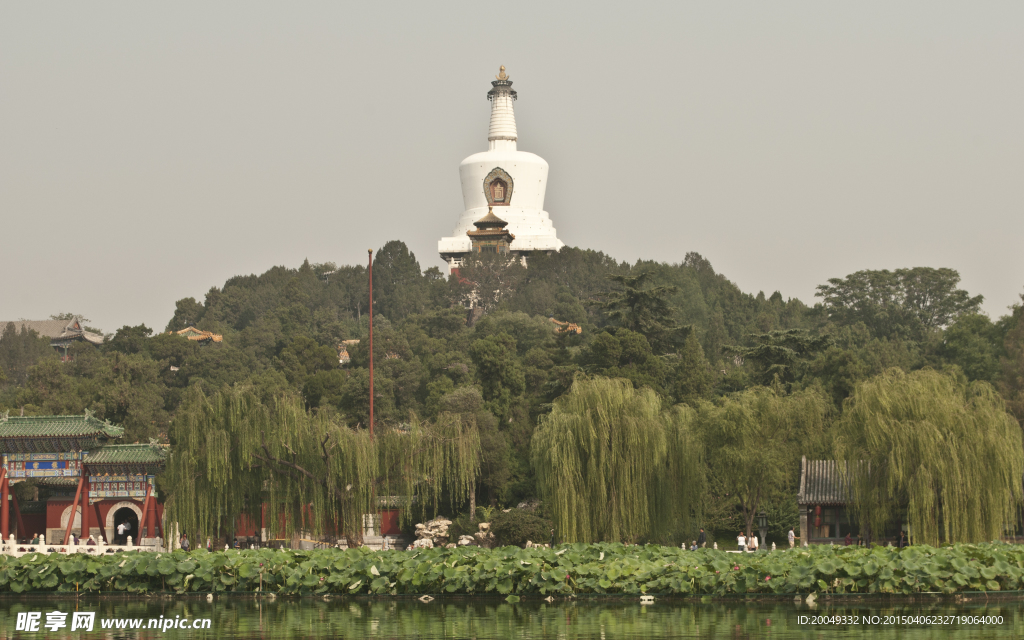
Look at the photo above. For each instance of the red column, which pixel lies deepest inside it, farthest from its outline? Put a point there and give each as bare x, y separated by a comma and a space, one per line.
94, 510
370, 251
144, 522
5, 516
85, 507
74, 509
21, 532
151, 517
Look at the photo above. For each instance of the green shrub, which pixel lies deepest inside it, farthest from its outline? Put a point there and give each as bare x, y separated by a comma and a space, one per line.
518, 526
461, 526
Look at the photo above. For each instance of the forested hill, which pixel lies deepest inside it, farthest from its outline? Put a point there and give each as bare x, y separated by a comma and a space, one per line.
327, 303
681, 329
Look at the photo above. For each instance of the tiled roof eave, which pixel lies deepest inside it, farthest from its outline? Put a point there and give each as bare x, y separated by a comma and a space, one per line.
127, 455
824, 482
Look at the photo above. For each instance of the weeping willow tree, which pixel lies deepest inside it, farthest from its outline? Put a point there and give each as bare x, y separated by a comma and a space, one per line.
233, 455
754, 440
940, 452
613, 466
429, 460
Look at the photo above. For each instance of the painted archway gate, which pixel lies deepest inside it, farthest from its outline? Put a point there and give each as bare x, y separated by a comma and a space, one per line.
86, 476
111, 524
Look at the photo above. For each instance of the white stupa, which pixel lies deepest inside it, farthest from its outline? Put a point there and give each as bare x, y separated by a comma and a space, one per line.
510, 182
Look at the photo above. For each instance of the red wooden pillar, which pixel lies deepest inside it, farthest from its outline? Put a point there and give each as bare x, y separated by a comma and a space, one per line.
94, 510
147, 514
5, 516
144, 523
85, 508
21, 532
370, 251
74, 510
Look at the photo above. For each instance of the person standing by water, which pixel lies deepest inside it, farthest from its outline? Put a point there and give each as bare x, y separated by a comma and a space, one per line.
552, 539
791, 537
741, 542
702, 539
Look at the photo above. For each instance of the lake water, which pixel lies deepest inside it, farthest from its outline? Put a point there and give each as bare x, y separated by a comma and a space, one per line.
239, 617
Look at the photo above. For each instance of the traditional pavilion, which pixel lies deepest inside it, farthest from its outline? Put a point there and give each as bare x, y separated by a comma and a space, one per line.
198, 335
93, 485
503, 178
62, 333
491, 236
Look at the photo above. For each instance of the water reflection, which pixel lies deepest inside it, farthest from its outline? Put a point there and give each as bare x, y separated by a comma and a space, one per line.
241, 617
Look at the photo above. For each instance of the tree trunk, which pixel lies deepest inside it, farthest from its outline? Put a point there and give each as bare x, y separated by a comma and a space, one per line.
472, 504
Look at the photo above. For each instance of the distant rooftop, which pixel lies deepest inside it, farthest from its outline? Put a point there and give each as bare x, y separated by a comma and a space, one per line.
198, 335
55, 330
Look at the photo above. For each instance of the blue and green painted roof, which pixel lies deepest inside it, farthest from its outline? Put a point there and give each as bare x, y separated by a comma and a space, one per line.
127, 454
42, 434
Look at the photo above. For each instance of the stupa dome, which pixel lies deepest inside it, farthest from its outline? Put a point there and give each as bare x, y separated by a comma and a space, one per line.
513, 181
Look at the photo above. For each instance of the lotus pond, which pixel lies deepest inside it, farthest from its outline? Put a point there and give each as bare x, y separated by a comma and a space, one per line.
569, 570
489, 618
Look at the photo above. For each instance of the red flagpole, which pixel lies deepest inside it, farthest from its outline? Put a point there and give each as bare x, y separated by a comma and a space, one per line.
370, 251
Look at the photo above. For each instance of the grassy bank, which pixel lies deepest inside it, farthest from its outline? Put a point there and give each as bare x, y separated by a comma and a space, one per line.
568, 569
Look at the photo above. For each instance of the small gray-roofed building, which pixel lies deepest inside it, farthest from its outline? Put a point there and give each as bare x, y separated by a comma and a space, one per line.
62, 333
823, 498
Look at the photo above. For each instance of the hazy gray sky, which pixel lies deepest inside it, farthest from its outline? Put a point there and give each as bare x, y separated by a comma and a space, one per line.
149, 151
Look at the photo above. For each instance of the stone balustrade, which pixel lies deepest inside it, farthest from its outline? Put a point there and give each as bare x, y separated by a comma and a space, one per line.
17, 549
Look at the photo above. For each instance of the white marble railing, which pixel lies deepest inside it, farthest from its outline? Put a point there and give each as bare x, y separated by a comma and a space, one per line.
13, 548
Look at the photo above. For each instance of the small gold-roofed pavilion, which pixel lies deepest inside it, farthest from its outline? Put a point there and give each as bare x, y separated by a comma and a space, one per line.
198, 335
491, 236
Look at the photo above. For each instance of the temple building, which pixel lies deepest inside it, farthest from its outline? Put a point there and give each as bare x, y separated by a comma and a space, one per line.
198, 335
91, 485
503, 178
491, 236
62, 333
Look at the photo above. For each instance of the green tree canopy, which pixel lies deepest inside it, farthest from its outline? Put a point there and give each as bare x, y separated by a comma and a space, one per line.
974, 343
777, 354
20, 351
1011, 379
901, 302
399, 287
187, 313
691, 377
613, 466
754, 440
501, 373
644, 308
130, 340
932, 450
